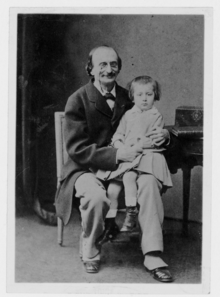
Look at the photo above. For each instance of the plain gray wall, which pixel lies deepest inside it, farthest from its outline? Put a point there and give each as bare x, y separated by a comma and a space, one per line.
169, 48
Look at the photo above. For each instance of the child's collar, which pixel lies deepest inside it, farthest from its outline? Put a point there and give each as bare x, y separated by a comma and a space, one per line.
153, 110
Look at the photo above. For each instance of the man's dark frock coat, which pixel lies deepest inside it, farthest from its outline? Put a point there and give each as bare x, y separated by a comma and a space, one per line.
89, 127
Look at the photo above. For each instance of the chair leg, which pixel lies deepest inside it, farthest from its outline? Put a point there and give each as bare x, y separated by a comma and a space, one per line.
60, 231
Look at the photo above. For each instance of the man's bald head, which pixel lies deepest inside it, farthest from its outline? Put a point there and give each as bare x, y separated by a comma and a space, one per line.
96, 50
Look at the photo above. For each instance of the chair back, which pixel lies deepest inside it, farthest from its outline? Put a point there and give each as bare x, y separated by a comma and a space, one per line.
61, 153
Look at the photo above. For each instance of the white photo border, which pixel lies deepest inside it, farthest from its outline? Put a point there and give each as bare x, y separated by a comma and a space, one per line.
204, 287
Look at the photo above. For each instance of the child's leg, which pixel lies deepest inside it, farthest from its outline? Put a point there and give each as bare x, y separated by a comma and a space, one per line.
111, 228
130, 186
113, 192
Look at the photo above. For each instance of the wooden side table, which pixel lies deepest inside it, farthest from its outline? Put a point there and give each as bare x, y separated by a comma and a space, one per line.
185, 154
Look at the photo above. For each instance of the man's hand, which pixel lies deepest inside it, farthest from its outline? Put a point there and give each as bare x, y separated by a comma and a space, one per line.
147, 142
126, 154
158, 136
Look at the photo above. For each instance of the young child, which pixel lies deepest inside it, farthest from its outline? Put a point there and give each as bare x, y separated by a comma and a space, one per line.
134, 130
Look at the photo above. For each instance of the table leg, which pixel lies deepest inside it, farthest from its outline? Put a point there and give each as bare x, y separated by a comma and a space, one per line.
186, 195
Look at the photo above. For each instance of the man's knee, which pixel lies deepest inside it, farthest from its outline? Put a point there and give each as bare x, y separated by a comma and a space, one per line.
98, 199
148, 186
87, 184
148, 180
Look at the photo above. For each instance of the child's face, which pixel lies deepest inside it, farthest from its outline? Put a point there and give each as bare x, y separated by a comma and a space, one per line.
144, 96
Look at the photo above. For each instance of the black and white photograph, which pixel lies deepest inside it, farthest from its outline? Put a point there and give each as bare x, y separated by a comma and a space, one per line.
109, 108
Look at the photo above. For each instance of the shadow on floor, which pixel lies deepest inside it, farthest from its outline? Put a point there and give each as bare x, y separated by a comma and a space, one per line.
39, 259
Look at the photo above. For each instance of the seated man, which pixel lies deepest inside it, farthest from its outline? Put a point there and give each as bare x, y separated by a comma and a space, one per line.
92, 115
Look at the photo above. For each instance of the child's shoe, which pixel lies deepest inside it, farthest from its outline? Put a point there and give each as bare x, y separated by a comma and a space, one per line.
110, 232
130, 219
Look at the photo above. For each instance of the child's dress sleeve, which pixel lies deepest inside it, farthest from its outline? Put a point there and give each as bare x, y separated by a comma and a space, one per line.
159, 122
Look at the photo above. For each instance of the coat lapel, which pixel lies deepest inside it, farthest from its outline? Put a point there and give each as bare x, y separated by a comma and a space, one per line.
121, 105
100, 103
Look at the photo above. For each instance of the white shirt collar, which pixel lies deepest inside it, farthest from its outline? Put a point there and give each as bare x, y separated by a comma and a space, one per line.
97, 85
135, 109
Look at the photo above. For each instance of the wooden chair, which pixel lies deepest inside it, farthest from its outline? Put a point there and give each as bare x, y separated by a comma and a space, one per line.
61, 158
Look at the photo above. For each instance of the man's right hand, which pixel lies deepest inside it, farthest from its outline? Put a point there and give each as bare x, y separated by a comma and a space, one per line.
128, 154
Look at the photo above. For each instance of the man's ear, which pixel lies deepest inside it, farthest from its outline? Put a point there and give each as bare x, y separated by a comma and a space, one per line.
91, 71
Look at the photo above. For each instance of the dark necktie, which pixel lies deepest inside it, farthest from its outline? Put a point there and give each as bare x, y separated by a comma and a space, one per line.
110, 99
109, 96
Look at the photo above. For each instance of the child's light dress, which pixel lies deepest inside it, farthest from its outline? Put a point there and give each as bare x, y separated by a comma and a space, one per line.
134, 125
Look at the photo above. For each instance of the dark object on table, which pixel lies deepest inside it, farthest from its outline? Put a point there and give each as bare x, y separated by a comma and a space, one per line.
188, 131
189, 116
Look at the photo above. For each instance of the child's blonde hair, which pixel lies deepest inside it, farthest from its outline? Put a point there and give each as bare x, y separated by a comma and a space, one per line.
143, 80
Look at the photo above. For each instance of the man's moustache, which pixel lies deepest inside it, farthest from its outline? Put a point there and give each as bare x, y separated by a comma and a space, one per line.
110, 75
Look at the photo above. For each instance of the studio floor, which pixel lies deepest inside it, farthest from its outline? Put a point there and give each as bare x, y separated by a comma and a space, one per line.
39, 259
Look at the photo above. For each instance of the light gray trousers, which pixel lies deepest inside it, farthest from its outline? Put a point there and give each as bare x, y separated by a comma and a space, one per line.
94, 206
